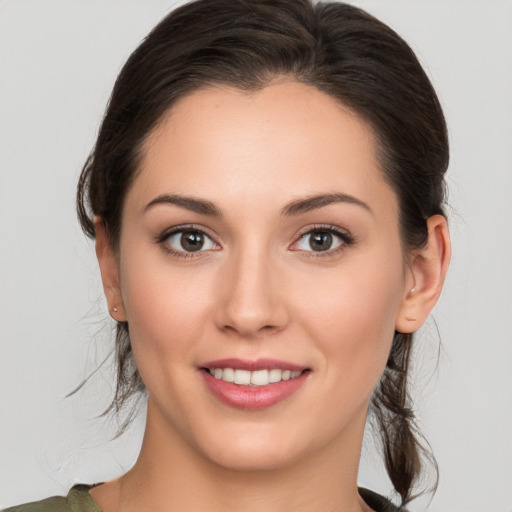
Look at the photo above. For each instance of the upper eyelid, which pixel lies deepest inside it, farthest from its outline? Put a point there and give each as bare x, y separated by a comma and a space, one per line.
164, 236
166, 233
346, 237
326, 227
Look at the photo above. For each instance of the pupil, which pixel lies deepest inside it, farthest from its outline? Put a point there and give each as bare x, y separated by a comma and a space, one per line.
321, 241
192, 241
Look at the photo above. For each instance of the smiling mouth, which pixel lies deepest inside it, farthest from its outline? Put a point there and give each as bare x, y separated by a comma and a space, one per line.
253, 378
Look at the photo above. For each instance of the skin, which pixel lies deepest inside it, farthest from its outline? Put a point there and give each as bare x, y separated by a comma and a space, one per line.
259, 290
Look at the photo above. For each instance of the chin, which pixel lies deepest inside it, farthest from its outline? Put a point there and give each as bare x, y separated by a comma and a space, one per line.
250, 459
249, 448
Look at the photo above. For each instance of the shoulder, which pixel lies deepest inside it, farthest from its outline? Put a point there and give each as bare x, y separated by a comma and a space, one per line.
77, 500
53, 504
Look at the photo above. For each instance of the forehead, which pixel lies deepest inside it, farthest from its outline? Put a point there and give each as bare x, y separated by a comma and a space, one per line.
287, 137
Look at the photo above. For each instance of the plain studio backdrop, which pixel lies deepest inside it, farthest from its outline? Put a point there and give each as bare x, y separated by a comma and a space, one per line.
58, 62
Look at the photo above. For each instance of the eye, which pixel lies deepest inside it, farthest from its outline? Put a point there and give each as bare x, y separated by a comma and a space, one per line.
322, 240
188, 240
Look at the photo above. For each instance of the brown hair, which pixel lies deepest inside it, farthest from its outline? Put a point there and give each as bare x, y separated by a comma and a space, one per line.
337, 48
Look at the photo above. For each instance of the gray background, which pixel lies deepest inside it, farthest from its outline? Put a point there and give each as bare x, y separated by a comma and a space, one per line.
58, 61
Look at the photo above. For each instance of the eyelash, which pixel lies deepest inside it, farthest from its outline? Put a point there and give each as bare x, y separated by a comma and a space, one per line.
162, 239
346, 240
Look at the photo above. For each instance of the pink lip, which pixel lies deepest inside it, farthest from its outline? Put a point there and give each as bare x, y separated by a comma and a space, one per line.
258, 364
252, 397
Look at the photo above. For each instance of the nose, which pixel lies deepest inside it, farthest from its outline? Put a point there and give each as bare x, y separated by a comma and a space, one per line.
251, 299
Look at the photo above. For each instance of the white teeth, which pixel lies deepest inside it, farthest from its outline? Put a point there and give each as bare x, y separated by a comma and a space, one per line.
255, 378
274, 375
242, 377
259, 378
228, 374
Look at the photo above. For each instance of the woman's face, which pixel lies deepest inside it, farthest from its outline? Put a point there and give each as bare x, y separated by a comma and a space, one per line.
260, 241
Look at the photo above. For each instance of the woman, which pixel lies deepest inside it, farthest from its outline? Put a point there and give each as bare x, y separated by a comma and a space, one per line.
266, 194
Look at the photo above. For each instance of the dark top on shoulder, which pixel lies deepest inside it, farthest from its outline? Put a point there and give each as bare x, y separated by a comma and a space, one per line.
79, 500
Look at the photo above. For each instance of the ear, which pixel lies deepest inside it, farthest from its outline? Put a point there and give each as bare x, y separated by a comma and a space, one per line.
109, 271
425, 276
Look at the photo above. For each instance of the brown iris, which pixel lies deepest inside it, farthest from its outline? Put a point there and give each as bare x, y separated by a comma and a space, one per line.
192, 241
320, 241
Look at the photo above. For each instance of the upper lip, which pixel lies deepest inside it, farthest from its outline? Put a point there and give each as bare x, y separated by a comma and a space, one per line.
257, 364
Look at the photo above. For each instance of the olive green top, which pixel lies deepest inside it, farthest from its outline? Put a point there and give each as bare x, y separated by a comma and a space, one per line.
79, 500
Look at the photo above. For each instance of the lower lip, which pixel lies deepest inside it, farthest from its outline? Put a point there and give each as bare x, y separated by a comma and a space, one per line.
252, 397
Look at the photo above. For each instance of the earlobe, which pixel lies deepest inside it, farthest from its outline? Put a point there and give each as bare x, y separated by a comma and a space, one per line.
109, 271
427, 269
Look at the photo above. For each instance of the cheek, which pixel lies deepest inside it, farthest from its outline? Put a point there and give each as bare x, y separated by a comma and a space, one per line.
351, 316
166, 311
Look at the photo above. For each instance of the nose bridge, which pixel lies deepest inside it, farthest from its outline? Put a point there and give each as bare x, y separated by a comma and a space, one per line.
252, 301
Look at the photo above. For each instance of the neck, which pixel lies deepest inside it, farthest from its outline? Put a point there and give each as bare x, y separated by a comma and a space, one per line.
171, 475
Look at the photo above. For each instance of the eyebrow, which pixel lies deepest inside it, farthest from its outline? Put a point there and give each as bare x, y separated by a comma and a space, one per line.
190, 203
307, 204
314, 202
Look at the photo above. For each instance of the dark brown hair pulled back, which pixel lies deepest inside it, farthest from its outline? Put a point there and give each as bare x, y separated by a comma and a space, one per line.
337, 48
